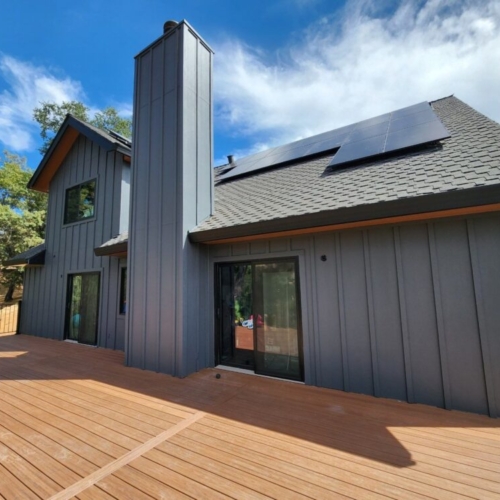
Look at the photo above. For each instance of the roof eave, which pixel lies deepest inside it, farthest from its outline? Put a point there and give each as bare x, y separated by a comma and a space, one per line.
36, 260
473, 197
73, 127
116, 250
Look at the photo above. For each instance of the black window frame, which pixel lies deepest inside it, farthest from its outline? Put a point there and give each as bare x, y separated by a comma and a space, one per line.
78, 187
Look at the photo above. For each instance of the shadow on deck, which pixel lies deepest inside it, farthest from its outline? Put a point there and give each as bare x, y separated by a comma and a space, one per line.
323, 431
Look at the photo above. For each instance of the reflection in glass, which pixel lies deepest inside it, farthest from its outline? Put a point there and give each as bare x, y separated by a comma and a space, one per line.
275, 306
236, 326
83, 308
80, 202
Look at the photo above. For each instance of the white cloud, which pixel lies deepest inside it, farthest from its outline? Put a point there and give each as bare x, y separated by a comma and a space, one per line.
125, 109
24, 87
361, 64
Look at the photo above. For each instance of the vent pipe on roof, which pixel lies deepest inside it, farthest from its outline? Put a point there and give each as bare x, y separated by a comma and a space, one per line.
169, 25
230, 159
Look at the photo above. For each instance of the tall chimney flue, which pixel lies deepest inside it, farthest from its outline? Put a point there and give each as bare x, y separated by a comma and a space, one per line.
169, 25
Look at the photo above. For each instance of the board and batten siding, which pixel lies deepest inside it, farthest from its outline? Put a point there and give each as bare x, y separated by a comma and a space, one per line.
409, 312
171, 192
70, 248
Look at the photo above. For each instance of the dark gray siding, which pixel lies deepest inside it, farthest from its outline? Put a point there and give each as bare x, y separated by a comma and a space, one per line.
70, 248
171, 192
409, 312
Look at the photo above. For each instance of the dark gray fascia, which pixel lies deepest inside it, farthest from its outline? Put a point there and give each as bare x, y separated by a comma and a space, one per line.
484, 195
37, 259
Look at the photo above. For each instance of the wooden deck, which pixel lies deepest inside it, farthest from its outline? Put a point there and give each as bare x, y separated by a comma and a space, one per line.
74, 422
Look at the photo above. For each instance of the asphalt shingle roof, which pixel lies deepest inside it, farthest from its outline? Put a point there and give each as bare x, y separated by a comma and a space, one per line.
118, 244
469, 159
35, 255
121, 238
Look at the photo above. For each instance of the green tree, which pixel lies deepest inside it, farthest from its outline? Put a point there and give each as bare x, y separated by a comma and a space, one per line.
22, 216
51, 115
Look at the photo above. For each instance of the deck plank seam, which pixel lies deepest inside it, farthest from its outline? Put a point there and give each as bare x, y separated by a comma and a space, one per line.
47, 401
120, 393
454, 456
354, 462
33, 462
65, 447
235, 480
169, 417
72, 421
433, 444
308, 470
51, 394
241, 467
112, 467
465, 451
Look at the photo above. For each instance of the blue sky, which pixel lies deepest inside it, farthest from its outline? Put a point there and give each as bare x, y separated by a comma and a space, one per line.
284, 69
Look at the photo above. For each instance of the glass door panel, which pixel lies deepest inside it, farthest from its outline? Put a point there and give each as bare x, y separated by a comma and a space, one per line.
276, 320
75, 302
83, 308
235, 316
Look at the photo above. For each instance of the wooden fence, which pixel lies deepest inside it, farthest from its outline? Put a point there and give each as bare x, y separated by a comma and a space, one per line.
9, 317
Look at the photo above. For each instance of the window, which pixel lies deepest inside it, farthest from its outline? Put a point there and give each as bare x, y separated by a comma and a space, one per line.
80, 202
123, 291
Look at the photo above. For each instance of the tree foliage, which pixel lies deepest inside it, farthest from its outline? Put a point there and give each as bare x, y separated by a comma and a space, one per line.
51, 115
22, 215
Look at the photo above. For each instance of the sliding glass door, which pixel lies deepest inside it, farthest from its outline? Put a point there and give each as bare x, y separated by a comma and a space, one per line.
276, 326
82, 308
258, 318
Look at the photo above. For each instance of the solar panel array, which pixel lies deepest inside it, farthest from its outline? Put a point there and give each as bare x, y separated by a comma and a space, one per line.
412, 126
120, 137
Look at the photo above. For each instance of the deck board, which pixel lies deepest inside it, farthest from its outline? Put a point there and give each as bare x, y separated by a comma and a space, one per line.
68, 412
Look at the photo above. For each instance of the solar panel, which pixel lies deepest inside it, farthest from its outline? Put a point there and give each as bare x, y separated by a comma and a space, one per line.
360, 149
282, 154
120, 137
361, 134
416, 135
407, 127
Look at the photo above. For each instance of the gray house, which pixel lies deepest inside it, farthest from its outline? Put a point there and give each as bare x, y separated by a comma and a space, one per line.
365, 259
68, 291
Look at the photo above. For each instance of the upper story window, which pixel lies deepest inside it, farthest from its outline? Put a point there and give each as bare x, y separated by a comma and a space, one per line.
80, 202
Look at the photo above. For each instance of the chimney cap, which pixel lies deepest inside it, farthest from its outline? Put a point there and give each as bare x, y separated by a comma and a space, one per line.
230, 159
169, 25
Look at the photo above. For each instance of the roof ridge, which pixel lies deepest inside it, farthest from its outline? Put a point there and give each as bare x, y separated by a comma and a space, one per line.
442, 98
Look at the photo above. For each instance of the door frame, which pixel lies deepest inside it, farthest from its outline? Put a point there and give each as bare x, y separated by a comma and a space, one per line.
217, 315
67, 307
